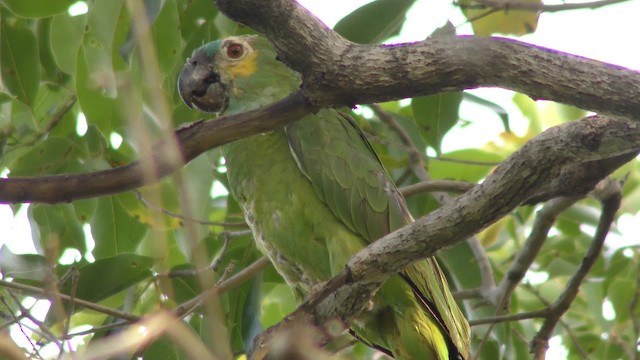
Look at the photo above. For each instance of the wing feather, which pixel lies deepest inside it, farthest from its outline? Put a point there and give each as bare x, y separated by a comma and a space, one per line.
349, 178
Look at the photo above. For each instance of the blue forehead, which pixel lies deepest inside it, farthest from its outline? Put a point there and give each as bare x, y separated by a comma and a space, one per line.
212, 47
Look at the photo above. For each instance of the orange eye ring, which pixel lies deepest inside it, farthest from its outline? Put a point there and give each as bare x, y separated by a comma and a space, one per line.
235, 51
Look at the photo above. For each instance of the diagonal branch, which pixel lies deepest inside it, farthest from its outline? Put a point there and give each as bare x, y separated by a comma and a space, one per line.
193, 140
610, 195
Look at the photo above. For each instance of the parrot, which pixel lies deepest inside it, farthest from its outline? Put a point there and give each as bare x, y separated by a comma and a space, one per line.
314, 193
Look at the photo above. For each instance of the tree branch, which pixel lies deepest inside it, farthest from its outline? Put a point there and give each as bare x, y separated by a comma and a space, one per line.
340, 73
610, 195
193, 140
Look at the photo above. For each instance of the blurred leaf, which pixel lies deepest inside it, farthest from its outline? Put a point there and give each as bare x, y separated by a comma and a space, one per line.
435, 115
227, 27
113, 229
66, 36
621, 297
152, 9
37, 8
374, 22
56, 228
19, 65
499, 110
167, 38
23, 266
508, 22
443, 169
165, 349
51, 71
108, 276
52, 156
99, 109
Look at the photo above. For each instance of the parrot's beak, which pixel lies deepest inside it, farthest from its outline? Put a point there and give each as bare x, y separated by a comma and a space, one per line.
200, 87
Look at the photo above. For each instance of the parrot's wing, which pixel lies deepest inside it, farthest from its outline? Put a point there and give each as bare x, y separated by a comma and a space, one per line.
348, 176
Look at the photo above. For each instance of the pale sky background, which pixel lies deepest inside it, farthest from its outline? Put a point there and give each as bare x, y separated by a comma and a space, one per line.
608, 34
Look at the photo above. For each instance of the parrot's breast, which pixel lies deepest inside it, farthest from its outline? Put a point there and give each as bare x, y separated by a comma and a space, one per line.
291, 225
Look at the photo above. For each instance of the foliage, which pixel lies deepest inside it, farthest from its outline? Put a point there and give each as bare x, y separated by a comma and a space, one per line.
74, 86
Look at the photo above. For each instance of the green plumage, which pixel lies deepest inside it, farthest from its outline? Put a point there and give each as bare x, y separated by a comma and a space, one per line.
315, 193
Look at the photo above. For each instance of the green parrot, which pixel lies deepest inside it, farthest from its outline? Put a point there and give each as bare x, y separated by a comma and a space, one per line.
315, 193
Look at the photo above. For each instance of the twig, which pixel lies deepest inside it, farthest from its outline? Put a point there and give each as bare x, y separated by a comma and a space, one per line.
535, 7
167, 212
42, 293
544, 220
609, 193
55, 119
436, 185
227, 236
24, 313
235, 280
142, 333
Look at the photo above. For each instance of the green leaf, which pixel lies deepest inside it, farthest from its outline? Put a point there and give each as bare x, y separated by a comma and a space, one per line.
23, 266
374, 22
514, 22
53, 156
108, 276
37, 8
621, 296
56, 227
19, 65
51, 72
114, 229
444, 169
66, 36
99, 109
165, 349
435, 115
499, 110
167, 38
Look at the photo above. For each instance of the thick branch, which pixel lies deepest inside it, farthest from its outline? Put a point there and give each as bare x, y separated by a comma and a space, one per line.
341, 73
192, 140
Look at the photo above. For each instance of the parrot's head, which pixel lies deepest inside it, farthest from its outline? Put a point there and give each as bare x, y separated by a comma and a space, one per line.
235, 74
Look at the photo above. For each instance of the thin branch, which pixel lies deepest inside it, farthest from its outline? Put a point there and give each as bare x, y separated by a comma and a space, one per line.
45, 294
436, 185
542, 313
535, 7
170, 213
237, 279
55, 119
545, 219
609, 194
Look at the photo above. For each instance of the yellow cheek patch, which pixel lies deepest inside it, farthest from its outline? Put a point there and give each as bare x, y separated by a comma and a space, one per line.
246, 67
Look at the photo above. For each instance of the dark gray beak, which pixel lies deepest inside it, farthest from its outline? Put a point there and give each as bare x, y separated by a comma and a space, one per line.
199, 85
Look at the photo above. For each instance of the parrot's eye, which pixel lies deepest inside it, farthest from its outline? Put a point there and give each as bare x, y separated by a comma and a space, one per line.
235, 51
